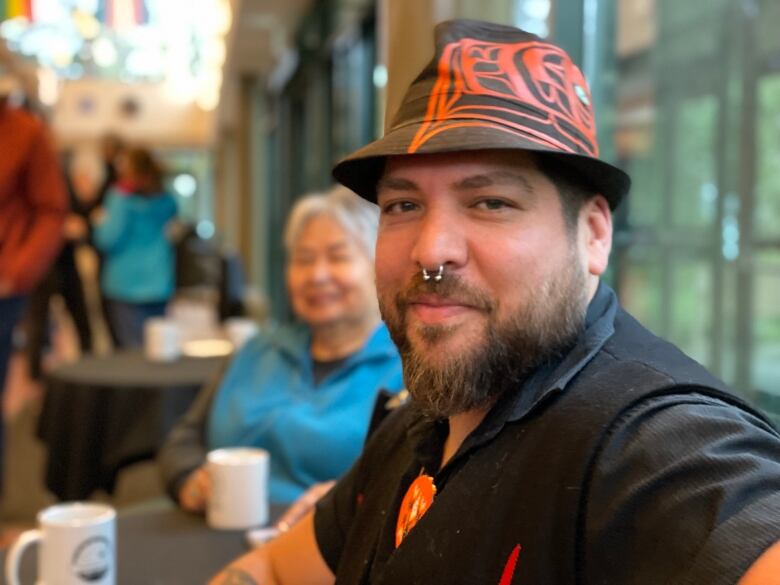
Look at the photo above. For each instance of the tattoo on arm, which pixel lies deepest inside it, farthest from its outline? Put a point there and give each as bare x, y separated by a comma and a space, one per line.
238, 577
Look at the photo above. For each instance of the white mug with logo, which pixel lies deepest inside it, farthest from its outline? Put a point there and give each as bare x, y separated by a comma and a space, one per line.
77, 545
239, 488
162, 339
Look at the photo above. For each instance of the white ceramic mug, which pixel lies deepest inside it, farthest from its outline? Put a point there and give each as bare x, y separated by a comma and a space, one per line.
239, 488
161, 339
196, 319
239, 330
77, 546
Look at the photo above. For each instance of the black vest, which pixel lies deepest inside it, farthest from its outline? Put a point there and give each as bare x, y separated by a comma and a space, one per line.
527, 486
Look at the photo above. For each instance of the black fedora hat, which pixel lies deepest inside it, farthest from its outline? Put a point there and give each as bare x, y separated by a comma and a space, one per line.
491, 86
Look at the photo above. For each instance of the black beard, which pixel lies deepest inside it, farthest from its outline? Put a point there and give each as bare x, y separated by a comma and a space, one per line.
544, 330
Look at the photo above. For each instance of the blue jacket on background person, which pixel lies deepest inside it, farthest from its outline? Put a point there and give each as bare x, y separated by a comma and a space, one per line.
139, 259
268, 398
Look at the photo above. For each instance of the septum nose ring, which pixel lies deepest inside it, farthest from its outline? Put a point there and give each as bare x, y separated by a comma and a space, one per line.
436, 277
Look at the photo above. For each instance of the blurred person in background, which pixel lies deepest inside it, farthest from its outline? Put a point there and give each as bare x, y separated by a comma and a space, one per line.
111, 146
64, 278
137, 277
33, 205
304, 392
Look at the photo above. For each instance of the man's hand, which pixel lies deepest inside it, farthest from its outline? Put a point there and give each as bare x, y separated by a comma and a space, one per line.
303, 505
195, 493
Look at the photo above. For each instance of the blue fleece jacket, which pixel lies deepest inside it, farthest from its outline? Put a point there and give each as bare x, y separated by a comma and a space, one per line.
139, 260
314, 433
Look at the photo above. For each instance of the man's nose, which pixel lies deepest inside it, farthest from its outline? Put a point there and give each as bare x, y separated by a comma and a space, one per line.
440, 242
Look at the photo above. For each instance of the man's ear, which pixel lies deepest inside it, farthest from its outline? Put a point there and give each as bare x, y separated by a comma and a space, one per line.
595, 229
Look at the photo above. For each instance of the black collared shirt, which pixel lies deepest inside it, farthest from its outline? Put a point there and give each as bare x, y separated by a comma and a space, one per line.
684, 488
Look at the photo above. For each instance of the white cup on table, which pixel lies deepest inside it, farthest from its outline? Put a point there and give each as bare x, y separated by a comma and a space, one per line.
239, 330
162, 339
77, 545
239, 488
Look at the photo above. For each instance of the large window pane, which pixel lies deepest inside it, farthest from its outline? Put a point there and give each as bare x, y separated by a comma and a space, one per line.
703, 90
766, 323
694, 195
639, 287
691, 299
767, 211
765, 366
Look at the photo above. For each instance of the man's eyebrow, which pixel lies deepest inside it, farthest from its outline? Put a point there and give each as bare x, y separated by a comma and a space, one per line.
395, 184
494, 178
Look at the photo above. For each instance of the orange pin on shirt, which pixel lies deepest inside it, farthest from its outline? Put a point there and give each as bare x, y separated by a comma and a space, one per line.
417, 500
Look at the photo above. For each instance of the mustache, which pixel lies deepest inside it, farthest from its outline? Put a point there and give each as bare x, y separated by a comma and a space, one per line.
452, 288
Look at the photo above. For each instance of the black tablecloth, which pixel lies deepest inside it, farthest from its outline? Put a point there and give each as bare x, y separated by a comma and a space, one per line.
158, 544
102, 413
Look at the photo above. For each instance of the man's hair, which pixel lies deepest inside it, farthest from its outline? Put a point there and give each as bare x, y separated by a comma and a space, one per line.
573, 189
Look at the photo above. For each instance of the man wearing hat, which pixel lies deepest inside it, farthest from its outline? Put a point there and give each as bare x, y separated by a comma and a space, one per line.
32, 210
551, 439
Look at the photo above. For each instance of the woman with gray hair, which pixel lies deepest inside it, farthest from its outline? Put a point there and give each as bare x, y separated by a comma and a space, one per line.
304, 391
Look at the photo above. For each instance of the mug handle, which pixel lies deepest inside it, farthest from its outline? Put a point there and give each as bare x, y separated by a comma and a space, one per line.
25, 539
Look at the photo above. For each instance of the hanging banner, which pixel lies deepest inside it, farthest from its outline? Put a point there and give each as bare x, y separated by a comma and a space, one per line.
103, 13
122, 14
141, 12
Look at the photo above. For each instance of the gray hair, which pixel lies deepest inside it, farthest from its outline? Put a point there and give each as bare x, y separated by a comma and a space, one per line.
358, 217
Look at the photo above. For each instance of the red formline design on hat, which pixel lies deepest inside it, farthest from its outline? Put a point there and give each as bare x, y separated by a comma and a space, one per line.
547, 96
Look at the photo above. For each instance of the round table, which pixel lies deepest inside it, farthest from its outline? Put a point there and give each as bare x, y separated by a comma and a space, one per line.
102, 413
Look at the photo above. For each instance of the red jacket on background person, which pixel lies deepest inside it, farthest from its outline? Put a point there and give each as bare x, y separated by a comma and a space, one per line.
33, 201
